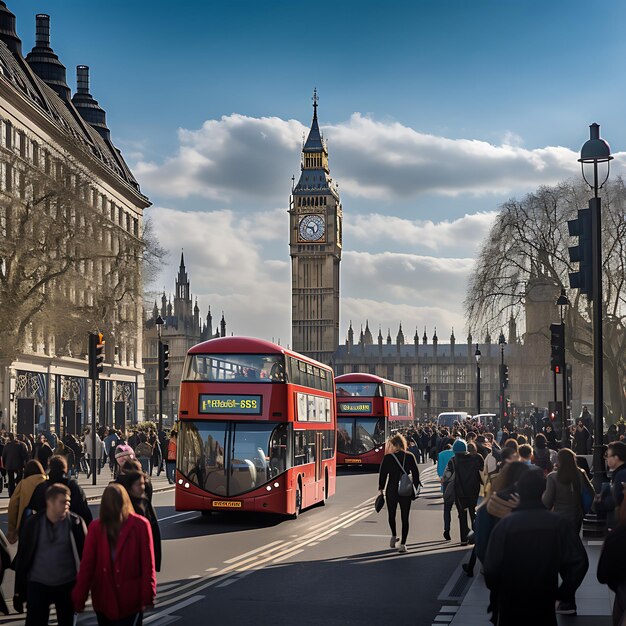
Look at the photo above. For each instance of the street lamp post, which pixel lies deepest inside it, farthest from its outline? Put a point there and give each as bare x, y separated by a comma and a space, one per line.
596, 154
563, 302
159, 324
477, 357
502, 342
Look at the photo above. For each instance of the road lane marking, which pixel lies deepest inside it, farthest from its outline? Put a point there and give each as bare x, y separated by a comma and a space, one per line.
257, 561
287, 556
172, 609
162, 519
243, 556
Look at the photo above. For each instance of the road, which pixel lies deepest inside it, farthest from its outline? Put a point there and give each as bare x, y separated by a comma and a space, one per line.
332, 565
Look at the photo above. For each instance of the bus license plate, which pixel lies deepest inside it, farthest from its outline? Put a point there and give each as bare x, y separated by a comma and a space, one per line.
226, 504
353, 461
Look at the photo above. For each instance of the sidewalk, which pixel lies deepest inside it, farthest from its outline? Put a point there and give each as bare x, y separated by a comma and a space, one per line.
594, 601
94, 492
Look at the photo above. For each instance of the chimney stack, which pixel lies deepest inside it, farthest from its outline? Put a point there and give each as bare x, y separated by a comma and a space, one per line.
42, 30
82, 78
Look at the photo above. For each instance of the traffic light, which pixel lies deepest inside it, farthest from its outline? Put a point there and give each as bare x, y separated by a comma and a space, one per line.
96, 355
504, 375
581, 253
427, 394
557, 347
164, 365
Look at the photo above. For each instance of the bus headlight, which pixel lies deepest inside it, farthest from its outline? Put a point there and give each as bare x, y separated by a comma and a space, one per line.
269, 487
276, 485
186, 485
180, 481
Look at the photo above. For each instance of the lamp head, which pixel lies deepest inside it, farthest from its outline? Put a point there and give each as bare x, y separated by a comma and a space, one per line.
563, 300
159, 321
595, 151
501, 339
477, 354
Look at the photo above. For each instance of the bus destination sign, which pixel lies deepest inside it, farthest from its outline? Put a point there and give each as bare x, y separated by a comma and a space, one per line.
226, 403
355, 407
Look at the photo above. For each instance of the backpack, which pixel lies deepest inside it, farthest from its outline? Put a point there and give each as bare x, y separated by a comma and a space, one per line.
405, 485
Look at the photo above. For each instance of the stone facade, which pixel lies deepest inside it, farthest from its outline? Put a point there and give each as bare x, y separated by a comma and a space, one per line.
47, 132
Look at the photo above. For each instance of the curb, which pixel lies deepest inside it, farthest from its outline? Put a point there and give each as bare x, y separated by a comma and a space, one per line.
4, 511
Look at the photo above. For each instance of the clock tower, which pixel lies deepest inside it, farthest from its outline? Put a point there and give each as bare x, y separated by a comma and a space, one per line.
315, 217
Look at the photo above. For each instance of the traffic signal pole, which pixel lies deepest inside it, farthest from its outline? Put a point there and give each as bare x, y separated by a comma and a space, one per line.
160, 383
599, 473
96, 366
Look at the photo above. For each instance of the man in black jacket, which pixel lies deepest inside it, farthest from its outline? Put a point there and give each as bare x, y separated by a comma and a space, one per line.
609, 502
528, 550
58, 474
14, 457
47, 560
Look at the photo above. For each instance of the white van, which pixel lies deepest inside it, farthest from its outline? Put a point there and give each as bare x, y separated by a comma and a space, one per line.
483, 418
448, 419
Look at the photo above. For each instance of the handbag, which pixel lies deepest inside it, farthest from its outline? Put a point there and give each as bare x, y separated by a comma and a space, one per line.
379, 503
405, 484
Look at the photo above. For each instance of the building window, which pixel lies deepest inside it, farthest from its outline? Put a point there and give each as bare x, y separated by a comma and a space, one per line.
443, 403
459, 401
426, 371
444, 374
460, 375
408, 375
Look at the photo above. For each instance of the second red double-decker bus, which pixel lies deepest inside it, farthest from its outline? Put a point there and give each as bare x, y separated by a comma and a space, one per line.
368, 408
257, 429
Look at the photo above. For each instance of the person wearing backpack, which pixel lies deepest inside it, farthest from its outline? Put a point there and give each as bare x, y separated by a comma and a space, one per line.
464, 469
400, 490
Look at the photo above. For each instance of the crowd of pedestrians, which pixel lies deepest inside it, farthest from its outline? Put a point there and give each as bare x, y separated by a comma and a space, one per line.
116, 556
520, 495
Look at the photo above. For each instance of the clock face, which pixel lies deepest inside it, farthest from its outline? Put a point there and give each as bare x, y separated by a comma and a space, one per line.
312, 228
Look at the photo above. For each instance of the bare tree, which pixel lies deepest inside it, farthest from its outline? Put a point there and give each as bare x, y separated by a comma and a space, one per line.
530, 239
66, 266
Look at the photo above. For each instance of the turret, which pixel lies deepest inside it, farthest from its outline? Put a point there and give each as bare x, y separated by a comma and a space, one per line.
85, 104
7, 30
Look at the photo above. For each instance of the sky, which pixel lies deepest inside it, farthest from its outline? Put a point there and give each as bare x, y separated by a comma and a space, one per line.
435, 113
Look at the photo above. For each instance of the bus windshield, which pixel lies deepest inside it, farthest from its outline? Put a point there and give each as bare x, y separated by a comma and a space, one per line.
358, 389
240, 368
228, 459
359, 435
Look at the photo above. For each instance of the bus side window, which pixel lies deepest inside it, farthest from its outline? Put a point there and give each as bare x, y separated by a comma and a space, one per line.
299, 452
310, 447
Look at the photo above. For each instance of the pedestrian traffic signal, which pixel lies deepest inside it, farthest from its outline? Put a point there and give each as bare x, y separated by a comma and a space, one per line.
582, 252
555, 410
96, 355
164, 365
557, 347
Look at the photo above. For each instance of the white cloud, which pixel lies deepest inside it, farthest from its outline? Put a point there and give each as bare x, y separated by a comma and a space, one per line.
248, 276
460, 236
228, 266
239, 158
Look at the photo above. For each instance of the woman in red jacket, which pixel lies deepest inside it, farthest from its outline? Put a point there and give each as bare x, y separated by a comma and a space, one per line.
117, 564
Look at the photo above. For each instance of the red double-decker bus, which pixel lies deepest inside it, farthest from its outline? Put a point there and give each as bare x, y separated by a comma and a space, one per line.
368, 408
257, 429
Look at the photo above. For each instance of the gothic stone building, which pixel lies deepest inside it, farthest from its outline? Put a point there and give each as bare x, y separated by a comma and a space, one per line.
47, 131
183, 328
